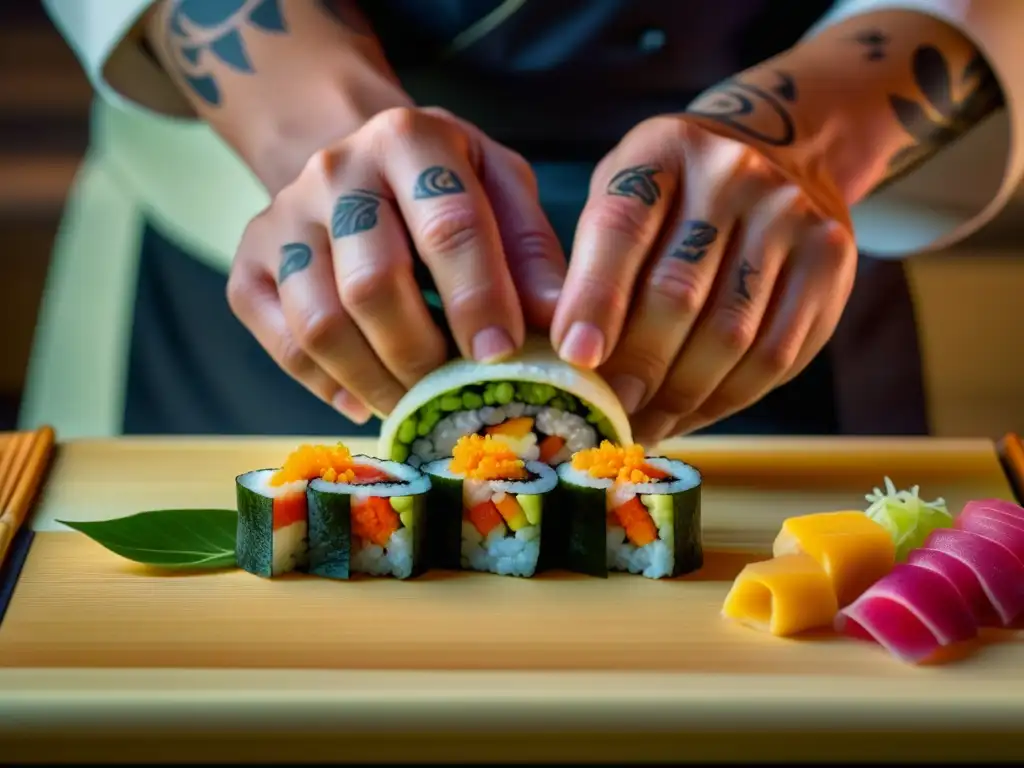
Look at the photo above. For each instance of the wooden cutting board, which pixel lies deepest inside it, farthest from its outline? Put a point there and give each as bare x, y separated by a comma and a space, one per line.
90, 638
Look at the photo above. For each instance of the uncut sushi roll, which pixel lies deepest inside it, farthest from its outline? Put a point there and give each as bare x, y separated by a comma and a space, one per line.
368, 520
331, 513
629, 512
486, 508
272, 523
542, 407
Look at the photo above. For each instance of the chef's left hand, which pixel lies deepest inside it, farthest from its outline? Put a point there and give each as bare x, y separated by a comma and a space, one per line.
700, 278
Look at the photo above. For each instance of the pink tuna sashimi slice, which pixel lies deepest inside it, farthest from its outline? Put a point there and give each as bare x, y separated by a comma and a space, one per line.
999, 506
971, 512
1009, 536
912, 612
999, 572
929, 597
961, 577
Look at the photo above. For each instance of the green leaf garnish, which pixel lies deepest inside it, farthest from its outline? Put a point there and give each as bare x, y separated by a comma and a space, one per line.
906, 516
193, 539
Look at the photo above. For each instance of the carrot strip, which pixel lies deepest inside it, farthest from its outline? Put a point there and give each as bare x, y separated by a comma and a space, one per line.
518, 427
634, 517
549, 448
484, 517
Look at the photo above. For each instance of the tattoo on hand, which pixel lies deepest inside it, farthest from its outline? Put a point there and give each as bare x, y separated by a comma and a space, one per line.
200, 29
940, 118
355, 212
747, 270
750, 109
874, 42
698, 236
437, 181
637, 182
295, 257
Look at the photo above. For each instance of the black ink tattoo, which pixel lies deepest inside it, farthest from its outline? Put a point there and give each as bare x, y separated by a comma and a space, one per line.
698, 236
750, 109
437, 181
874, 42
747, 270
637, 182
295, 257
355, 212
940, 118
198, 29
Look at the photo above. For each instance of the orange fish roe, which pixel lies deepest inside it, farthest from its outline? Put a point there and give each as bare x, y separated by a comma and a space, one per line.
484, 458
332, 463
626, 464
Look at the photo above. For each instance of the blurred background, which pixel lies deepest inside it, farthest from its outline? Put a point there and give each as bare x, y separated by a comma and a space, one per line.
970, 303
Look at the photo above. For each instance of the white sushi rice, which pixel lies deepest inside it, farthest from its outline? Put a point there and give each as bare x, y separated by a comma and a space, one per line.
258, 482
290, 548
657, 559
578, 433
393, 560
501, 551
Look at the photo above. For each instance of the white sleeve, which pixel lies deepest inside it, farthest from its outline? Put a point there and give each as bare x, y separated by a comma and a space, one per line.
99, 30
966, 185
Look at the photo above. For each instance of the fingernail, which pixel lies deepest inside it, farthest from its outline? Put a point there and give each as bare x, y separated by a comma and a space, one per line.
492, 344
629, 389
351, 407
583, 345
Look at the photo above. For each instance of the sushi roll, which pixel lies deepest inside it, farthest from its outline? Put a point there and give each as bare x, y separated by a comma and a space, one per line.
543, 408
331, 513
486, 508
369, 520
629, 512
272, 523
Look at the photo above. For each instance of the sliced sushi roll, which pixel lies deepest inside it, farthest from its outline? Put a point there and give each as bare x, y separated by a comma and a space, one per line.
272, 523
629, 512
331, 513
368, 520
542, 407
486, 508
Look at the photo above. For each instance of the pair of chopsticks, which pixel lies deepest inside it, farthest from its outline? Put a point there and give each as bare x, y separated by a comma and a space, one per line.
1011, 454
24, 460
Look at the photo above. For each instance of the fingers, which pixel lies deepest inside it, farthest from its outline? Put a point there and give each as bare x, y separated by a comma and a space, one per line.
805, 310
730, 321
430, 169
252, 296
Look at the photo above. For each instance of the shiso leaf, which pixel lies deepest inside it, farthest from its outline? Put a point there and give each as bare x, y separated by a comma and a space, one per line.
906, 516
181, 539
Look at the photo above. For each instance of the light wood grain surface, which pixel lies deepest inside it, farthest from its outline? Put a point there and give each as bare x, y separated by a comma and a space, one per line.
94, 645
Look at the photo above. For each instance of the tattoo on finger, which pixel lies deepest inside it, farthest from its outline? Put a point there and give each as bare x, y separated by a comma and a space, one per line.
746, 271
437, 181
295, 257
698, 237
637, 182
355, 212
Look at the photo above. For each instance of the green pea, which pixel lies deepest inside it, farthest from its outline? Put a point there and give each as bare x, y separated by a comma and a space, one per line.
471, 401
451, 403
399, 452
407, 432
594, 416
489, 397
503, 393
558, 404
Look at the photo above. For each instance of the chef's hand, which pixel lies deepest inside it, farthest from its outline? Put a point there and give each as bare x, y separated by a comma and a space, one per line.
700, 277
323, 277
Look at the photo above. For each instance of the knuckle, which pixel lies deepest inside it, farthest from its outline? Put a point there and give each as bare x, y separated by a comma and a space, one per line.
678, 398
678, 287
318, 329
662, 128
321, 173
535, 245
618, 215
449, 229
293, 359
397, 123
773, 360
733, 329
597, 291
238, 294
367, 289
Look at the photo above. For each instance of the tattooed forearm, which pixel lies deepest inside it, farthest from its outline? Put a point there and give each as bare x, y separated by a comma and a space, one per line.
355, 212
202, 33
949, 104
437, 181
295, 257
698, 237
637, 182
746, 271
761, 114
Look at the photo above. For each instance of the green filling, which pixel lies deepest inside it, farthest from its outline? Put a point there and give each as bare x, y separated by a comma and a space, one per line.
494, 393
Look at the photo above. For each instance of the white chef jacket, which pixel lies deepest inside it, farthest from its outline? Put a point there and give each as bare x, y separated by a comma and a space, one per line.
145, 165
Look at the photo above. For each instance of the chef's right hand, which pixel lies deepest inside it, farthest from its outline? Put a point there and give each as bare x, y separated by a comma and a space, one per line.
323, 277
